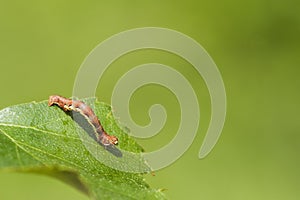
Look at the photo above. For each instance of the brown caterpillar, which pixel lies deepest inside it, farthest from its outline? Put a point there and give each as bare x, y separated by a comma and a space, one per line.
78, 106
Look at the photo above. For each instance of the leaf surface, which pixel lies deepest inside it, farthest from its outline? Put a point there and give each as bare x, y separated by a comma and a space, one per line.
41, 139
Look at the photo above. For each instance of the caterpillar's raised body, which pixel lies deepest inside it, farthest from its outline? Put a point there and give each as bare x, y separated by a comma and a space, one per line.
78, 106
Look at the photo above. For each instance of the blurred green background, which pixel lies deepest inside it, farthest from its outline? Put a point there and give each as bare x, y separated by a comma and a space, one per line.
255, 44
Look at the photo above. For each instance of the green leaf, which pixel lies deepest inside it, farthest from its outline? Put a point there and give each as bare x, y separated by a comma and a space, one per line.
41, 139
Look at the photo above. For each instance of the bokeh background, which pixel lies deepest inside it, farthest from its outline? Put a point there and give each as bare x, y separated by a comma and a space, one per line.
255, 44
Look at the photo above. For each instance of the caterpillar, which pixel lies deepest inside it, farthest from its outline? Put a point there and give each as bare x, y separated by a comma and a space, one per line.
78, 106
